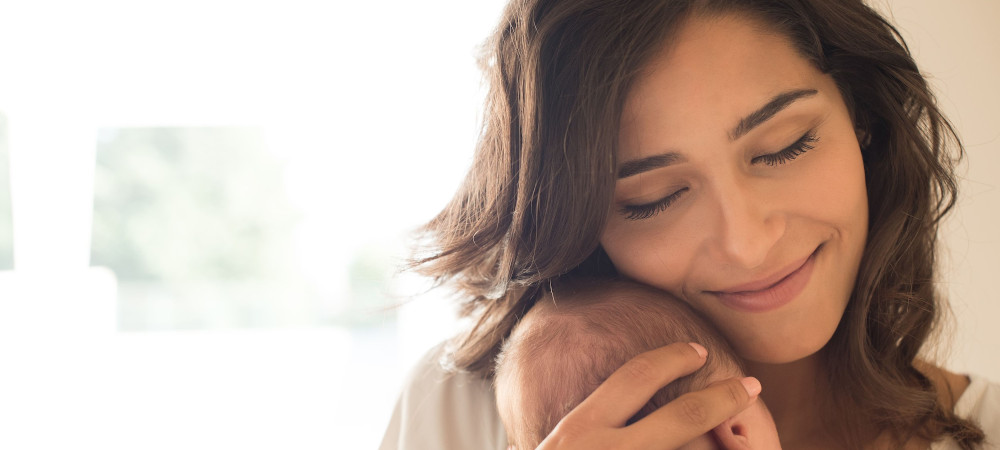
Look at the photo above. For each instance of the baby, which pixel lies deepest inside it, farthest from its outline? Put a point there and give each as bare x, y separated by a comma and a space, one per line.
575, 337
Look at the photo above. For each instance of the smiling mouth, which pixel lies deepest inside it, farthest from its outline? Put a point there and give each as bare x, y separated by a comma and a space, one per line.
772, 292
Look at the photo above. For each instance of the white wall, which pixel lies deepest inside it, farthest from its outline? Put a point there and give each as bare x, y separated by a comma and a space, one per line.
957, 44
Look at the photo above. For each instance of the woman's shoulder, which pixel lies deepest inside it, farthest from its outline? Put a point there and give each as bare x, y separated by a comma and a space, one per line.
979, 402
444, 409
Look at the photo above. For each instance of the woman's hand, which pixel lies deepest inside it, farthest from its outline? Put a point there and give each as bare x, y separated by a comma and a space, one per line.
599, 421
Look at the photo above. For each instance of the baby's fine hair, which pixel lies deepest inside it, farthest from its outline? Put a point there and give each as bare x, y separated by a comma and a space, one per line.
577, 335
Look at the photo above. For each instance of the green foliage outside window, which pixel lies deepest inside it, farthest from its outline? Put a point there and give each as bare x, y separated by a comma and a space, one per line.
190, 204
198, 228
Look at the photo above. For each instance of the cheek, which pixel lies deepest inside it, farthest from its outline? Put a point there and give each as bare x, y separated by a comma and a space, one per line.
834, 191
650, 253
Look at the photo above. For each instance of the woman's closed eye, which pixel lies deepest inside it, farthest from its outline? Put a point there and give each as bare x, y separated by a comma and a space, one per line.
802, 145
645, 211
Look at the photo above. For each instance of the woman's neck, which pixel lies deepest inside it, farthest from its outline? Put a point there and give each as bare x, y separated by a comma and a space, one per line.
794, 393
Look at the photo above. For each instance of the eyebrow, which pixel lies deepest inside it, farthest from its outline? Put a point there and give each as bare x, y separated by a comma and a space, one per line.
638, 166
745, 125
778, 103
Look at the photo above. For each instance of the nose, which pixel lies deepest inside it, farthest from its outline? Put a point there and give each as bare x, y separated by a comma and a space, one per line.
749, 224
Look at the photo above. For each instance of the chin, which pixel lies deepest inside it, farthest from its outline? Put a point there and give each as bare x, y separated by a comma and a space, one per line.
781, 355
768, 346
798, 331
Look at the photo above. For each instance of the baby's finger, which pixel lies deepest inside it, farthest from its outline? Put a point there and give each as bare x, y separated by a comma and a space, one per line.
631, 386
694, 413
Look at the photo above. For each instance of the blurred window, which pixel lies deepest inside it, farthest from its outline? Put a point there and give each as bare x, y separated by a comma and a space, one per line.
254, 185
200, 228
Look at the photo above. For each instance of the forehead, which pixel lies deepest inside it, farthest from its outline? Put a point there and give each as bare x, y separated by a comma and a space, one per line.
710, 73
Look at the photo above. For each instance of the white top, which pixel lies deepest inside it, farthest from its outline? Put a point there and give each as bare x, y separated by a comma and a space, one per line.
439, 410
981, 403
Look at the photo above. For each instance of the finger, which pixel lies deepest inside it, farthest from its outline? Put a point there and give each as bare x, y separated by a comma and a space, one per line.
694, 413
631, 386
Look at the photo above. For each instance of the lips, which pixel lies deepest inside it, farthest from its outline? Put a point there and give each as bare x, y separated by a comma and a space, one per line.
772, 292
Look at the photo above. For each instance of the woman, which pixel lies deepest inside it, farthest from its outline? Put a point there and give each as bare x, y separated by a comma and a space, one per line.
779, 165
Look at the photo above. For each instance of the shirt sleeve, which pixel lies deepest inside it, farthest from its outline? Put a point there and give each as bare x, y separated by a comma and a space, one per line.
442, 410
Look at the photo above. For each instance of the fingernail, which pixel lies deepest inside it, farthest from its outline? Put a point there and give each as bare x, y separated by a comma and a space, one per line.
751, 385
698, 348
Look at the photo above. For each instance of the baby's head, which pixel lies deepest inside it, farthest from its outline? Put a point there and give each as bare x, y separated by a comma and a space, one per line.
581, 332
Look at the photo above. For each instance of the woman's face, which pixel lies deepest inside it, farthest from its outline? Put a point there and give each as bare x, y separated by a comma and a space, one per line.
741, 188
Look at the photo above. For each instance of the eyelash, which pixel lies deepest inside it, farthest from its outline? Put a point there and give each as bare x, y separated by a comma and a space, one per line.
639, 212
802, 145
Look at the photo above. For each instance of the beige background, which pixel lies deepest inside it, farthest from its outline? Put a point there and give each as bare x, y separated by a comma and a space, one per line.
957, 44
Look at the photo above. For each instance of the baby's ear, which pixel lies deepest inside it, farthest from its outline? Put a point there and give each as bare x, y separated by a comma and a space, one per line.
734, 433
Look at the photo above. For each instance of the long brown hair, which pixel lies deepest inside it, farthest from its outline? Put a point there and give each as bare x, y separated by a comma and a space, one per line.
535, 200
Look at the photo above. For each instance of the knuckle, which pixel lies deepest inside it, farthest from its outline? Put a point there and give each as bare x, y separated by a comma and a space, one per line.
571, 426
735, 392
641, 369
693, 410
562, 435
571, 433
